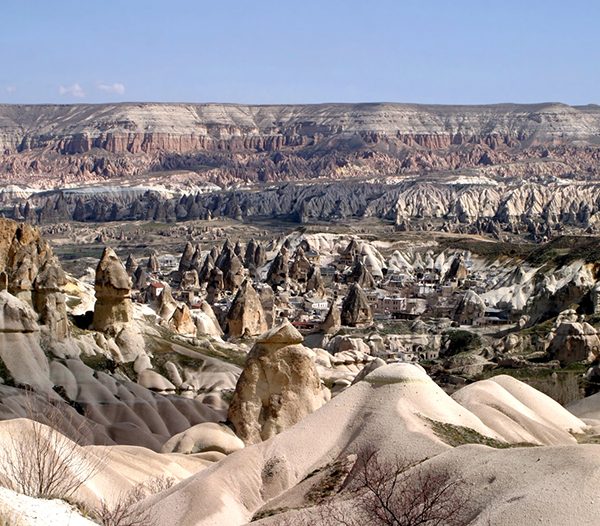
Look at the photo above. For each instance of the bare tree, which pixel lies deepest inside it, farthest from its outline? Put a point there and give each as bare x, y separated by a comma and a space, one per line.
42, 462
398, 493
125, 511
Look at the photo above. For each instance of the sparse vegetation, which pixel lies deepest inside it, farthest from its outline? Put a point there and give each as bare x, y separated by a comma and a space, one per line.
41, 462
399, 493
125, 511
455, 435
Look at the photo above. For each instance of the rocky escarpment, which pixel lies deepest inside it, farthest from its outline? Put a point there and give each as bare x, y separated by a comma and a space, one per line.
465, 204
227, 143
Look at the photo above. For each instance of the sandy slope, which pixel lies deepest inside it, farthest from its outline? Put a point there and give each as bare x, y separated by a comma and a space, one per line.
113, 469
389, 411
519, 413
20, 510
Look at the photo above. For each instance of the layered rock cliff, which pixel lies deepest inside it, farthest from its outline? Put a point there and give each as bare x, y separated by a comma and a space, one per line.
50, 145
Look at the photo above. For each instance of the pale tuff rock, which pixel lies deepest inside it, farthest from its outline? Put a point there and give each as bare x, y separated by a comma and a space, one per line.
22, 253
131, 265
355, 308
207, 265
206, 321
267, 300
208, 436
113, 307
182, 322
573, 340
277, 388
458, 271
189, 280
49, 300
166, 303
333, 320
154, 381
153, 266
246, 316
300, 267
314, 282
30, 271
233, 272
215, 286
139, 278
113, 311
339, 344
196, 263
255, 256
20, 349
17, 316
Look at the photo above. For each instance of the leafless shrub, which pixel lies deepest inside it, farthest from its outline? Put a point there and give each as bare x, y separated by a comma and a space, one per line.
125, 511
399, 493
44, 463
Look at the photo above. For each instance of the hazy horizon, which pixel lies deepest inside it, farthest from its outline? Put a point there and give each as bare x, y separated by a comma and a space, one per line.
323, 103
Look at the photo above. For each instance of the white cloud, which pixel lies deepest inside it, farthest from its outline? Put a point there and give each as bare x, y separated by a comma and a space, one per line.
117, 88
75, 90
10, 89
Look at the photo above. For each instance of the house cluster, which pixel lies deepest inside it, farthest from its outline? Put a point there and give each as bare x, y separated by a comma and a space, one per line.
355, 287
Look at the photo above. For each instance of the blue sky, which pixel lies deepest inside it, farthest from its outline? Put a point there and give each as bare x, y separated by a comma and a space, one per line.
281, 51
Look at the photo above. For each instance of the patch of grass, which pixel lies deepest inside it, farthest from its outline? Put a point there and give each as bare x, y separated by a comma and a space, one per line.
491, 250
565, 249
586, 438
454, 435
540, 330
262, 514
331, 480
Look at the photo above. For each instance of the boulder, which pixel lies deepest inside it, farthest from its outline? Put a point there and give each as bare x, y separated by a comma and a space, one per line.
49, 300
154, 381
346, 343
574, 341
208, 436
279, 386
113, 309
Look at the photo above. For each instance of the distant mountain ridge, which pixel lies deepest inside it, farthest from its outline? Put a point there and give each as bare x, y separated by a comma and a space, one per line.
50, 145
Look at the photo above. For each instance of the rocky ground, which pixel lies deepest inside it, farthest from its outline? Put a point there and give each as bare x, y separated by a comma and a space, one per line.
214, 314
223, 400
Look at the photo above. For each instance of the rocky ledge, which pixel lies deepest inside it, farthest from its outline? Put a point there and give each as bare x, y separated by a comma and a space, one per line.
50, 145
